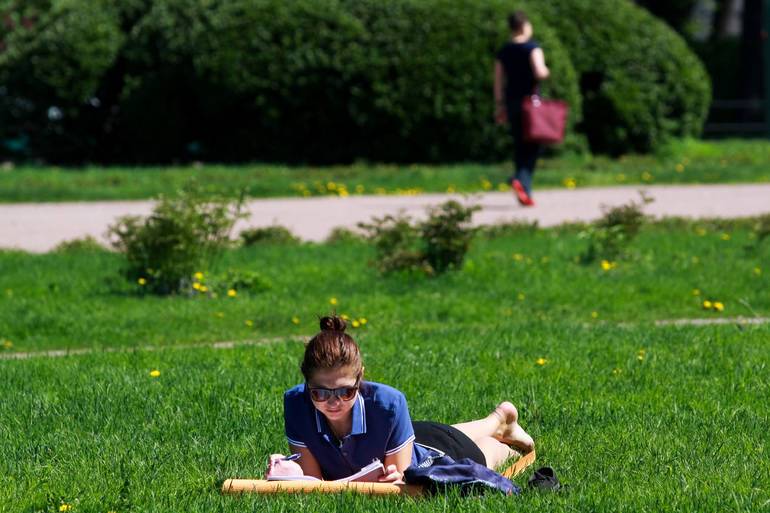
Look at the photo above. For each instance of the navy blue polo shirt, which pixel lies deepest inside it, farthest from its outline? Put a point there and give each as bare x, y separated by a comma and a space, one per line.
381, 426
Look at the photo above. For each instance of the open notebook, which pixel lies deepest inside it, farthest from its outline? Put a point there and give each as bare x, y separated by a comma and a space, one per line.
368, 474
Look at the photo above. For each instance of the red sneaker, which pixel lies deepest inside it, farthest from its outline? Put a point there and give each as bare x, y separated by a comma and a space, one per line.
521, 194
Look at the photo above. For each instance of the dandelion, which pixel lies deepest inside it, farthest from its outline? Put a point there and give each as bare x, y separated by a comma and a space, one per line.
451, 189
541, 361
295, 320
607, 265
725, 236
331, 186
640, 354
679, 168
204, 288
196, 286
198, 276
696, 292
333, 301
569, 183
707, 305
356, 324
343, 193
594, 314
65, 507
345, 317
154, 373
7, 344
232, 293
142, 282
486, 184
249, 323
719, 306
617, 372
520, 296
518, 257
757, 271
362, 320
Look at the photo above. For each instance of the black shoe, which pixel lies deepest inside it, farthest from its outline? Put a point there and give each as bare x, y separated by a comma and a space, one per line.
544, 478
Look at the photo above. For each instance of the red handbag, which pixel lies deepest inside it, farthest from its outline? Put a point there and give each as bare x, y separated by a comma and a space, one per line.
543, 121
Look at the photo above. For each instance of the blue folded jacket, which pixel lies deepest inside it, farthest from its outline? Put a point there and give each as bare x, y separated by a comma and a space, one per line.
465, 474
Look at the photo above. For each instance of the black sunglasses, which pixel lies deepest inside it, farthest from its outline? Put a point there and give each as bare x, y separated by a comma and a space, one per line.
320, 394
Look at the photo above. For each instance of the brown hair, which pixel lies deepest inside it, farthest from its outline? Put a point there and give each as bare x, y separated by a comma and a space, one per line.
517, 20
332, 348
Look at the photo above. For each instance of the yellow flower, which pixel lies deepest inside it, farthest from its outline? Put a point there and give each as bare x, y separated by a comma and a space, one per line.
541, 361
359, 189
450, 189
198, 276
594, 314
707, 304
647, 177
204, 288
154, 373
679, 168
331, 186
333, 301
518, 257
7, 344
569, 183
249, 323
362, 320
141, 281
616, 371
607, 265
356, 324
640, 357
696, 292
232, 293
503, 187
343, 193
700, 231
521, 296
757, 271
295, 320
486, 184
196, 286
65, 507
719, 306
725, 236
345, 317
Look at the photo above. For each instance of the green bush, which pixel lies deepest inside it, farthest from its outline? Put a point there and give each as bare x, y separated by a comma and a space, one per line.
433, 246
640, 82
181, 237
86, 244
609, 237
268, 235
54, 56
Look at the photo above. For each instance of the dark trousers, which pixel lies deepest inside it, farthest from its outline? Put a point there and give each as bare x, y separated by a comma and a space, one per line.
525, 154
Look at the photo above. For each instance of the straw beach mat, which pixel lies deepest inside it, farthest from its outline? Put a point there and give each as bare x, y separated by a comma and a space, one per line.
235, 486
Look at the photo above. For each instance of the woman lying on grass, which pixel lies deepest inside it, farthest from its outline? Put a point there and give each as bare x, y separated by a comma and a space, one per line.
339, 423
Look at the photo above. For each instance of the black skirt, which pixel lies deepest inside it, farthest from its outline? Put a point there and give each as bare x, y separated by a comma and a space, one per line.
447, 439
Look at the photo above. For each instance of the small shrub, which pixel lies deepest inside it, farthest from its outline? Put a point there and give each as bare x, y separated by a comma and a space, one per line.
761, 228
342, 235
243, 281
85, 244
433, 246
181, 236
268, 235
609, 237
447, 235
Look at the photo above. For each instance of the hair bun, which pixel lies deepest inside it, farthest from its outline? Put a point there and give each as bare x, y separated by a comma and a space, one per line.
333, 323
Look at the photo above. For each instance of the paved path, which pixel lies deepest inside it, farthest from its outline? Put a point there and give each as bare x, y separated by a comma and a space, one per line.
40, 226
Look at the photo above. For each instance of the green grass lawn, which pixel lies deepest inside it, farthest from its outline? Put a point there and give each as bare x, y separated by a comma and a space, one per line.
631, 415
732, 161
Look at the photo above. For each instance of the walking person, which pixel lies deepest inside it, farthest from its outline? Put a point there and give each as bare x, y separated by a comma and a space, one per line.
519, 66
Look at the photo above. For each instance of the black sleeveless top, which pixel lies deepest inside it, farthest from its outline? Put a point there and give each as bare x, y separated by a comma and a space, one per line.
519, 78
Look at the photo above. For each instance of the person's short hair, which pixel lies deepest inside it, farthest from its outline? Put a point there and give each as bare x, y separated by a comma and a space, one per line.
517, 20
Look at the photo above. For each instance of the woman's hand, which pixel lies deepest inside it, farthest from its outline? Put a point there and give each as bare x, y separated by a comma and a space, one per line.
392, 475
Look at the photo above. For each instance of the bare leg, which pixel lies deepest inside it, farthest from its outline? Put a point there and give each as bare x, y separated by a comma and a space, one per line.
501, 425
496, 453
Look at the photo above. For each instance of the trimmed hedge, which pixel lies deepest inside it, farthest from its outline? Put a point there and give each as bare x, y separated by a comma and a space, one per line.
320, 81
640, 82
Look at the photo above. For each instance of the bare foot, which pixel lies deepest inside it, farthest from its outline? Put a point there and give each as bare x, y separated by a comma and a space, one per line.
510, 432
